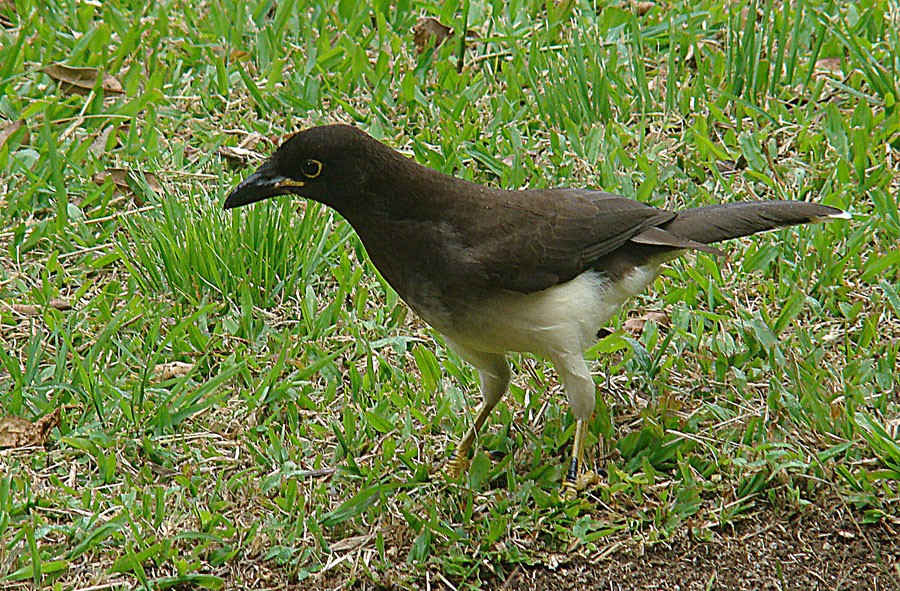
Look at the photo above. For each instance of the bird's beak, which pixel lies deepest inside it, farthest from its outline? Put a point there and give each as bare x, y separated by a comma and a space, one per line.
262, 184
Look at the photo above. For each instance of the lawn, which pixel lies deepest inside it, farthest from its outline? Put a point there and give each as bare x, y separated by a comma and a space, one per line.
237, 399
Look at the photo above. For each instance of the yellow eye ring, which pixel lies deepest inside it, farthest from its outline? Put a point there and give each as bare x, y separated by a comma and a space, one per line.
311, 168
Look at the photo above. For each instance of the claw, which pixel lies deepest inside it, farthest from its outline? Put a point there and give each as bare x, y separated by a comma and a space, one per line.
568, 491
458, 466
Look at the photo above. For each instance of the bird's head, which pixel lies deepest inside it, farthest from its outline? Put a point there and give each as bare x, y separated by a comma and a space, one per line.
330, 164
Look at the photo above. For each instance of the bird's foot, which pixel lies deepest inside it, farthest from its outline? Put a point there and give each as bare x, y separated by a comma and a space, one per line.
458, 466
569, 489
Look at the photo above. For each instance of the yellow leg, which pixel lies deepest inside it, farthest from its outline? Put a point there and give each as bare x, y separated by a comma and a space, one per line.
570, 486
460, 462
494, 373
581, 392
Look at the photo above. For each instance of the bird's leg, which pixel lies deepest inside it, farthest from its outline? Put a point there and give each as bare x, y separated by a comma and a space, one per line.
577, 452
580, 391
576, 478
460, 462
494, 372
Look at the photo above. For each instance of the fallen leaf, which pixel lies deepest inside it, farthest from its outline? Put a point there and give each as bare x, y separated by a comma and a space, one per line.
642, 8
829, 64
429, 31
174, 369
636, 325
82, 80
17, 432
26, 309
119, 178
60, 304
238, 157
8, 131
837, 411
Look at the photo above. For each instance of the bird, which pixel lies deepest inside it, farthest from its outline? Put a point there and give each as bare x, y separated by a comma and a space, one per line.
499, 271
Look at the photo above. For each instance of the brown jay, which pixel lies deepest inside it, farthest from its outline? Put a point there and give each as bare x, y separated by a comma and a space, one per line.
495, 271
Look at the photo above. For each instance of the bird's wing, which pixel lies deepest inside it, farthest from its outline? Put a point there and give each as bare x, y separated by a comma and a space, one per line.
550, 236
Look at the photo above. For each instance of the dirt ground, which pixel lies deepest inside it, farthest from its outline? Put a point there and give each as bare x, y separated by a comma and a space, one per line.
817, 551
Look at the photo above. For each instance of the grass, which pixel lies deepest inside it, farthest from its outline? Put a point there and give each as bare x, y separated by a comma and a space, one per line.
300, 444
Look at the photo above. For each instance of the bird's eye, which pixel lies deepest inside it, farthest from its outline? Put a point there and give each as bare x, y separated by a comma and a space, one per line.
311, 168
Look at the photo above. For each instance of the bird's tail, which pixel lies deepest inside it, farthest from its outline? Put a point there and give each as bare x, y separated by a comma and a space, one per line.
715, 223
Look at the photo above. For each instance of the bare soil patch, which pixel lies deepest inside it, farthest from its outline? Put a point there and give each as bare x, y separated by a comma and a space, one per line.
818, 550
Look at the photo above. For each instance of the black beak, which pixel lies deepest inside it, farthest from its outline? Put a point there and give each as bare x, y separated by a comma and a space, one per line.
262, 184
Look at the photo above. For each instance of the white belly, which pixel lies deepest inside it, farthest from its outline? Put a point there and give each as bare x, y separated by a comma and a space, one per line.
548, 322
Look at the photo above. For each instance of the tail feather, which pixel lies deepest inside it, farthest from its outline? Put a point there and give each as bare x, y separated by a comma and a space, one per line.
715, 223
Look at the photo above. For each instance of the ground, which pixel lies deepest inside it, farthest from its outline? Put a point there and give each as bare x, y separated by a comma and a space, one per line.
817, 550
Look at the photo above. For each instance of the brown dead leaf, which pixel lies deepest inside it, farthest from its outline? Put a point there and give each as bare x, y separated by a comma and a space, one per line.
636, 325
237, 157
8, 131
16, 432
642, 8
829, 64
430, 32
82, 80
60, 304
33, 310
837, 411
119, 178
26, 309
174, 369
